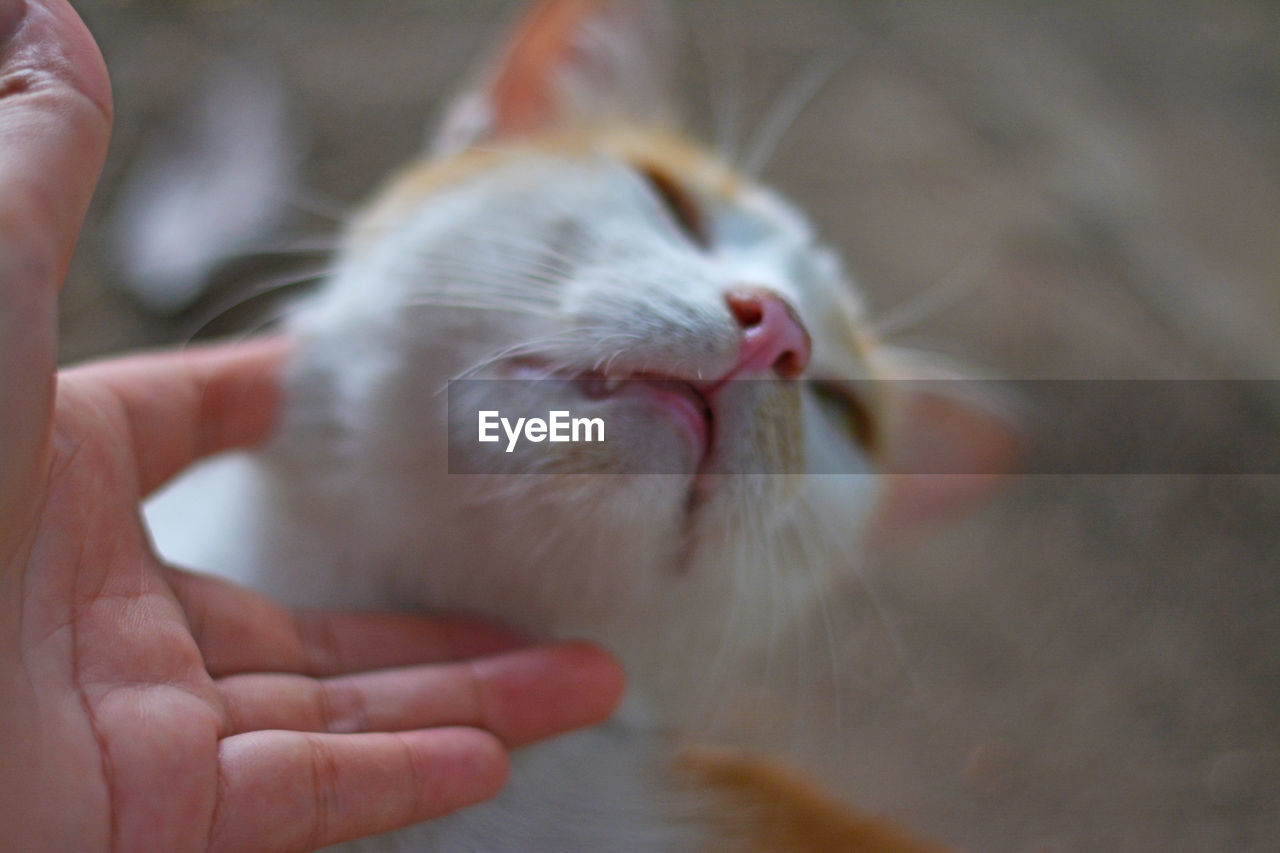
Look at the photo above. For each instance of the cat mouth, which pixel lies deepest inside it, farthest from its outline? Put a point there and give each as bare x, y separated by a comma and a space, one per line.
682, 402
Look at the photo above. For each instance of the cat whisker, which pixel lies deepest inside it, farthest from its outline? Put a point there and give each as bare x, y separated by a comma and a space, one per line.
874, 598
300, 246
795, 583
539, 346
478, 305
477, 266
499, 295
605, 363
517, 271
821, 585
273, 285
543, 246
722, 655
723, 75
272, 318
478, 289
918, 309
319, 204
520, 286
762, 547
780, 118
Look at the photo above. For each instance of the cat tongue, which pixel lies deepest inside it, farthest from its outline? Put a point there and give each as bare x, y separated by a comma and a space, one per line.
682, 402
679, 400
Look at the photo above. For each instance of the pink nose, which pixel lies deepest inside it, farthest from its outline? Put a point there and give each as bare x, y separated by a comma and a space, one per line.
773, 338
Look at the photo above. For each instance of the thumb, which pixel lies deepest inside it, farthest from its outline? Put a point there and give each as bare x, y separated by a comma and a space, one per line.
55, 119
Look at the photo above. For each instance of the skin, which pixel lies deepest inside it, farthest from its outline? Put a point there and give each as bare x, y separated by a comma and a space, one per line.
146, 708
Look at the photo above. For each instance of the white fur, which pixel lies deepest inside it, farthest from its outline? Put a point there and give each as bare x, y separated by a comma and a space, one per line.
351, 505
572, 260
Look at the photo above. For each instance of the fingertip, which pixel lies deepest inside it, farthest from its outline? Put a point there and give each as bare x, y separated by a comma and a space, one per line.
85, 68
494, 763
240, 391
457, 767
599, 676
11, 14
55, 119
535, 693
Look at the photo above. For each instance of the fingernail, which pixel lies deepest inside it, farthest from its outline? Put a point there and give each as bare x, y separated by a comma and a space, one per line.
11, 15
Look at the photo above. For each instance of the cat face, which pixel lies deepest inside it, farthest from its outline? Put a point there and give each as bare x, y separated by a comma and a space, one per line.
611, 293
631, 277
563, 238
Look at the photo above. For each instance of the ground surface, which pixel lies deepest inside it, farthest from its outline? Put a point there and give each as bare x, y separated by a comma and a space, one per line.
1092, 663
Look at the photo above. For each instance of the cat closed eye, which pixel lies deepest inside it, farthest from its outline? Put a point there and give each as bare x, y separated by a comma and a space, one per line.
677, 202
856, 415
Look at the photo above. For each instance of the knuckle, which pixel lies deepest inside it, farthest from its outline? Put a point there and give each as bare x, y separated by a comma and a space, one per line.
323, 768
342, 708
321, 648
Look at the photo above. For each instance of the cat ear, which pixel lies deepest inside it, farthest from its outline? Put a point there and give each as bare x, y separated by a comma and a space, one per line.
949, 441
568, 62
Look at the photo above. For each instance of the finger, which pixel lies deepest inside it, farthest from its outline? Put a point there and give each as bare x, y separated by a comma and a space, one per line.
520, 696
288, 791
177, 407
239, 631
55, 117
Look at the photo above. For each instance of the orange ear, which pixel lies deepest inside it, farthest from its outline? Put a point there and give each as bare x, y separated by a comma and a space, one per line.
568, 62
942, 458
948, 443
523, 94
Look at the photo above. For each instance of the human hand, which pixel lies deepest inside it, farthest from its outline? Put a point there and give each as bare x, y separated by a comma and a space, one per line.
144, 708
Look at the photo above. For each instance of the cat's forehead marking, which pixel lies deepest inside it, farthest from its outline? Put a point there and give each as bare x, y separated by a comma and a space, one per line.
674, 154
682, 160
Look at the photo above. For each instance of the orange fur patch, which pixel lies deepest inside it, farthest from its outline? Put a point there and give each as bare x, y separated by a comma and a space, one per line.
699, 170
770, 809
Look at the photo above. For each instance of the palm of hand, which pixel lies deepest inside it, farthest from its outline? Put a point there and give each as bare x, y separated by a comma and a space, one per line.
156, 710
117, 689
125, 714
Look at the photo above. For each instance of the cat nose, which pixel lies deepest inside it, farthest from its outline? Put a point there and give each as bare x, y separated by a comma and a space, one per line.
773, 337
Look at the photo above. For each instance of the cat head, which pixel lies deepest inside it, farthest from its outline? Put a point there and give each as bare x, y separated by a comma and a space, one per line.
563, 239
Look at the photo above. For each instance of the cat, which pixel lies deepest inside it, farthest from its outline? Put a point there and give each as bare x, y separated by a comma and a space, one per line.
565, 233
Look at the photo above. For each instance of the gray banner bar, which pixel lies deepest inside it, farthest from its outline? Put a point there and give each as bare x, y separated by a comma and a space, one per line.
1065, 426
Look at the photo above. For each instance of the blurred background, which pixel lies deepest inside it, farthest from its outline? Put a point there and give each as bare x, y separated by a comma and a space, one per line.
1054, 191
